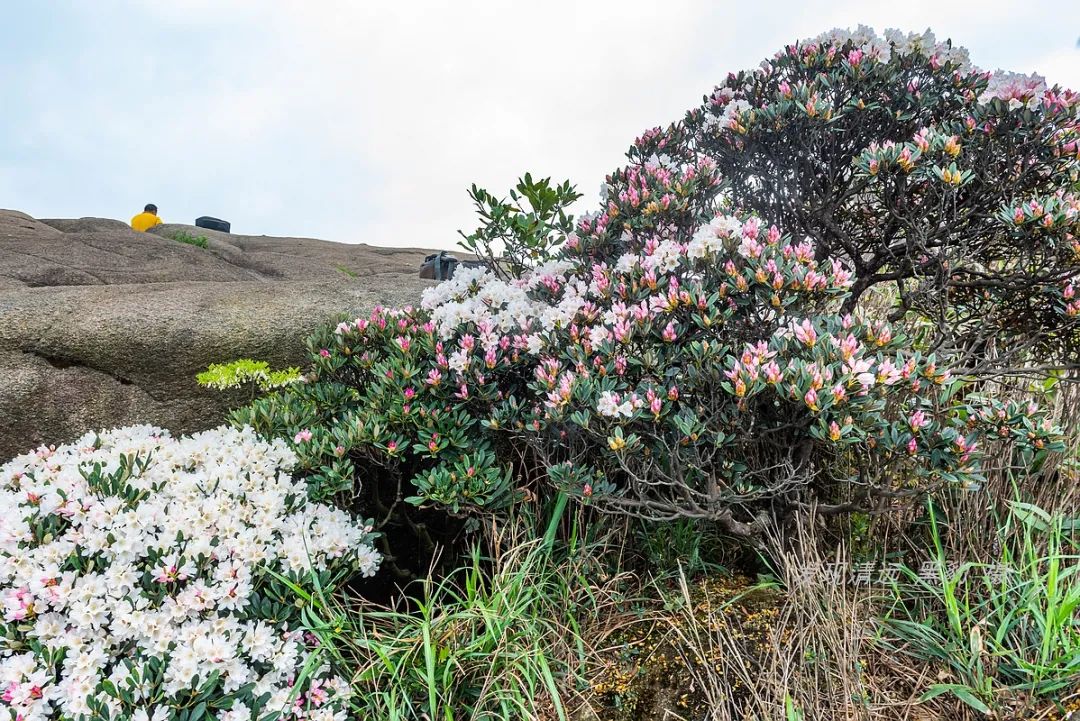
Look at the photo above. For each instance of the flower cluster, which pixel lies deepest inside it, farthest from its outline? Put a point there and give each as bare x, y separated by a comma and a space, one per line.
696, 345
898, 157
730, 340
142, 575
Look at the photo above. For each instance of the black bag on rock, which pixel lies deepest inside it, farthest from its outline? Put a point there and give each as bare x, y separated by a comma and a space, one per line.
212, 223
441, 266
438, 266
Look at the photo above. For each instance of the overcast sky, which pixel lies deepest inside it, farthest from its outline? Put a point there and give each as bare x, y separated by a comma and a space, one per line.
366, 121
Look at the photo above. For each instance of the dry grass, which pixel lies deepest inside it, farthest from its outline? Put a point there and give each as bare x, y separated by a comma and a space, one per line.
731, 649
806, 646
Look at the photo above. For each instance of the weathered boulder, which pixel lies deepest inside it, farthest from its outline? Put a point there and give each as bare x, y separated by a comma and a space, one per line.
86, 225
36, 254
82, 349
298, 258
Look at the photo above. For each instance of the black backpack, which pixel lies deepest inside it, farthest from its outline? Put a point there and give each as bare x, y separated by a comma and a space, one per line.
212, 223
441, 266
438, 266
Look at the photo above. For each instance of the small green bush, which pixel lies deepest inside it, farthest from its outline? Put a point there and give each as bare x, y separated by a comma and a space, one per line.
223, 376
200, 241
347, 271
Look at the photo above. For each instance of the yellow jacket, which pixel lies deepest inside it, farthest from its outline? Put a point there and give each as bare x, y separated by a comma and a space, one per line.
144, 221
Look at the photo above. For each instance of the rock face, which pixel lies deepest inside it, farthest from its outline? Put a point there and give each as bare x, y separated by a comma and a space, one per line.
101, 326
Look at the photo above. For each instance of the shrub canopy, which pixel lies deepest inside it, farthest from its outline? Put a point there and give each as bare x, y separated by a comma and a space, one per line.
951, 189
684, 379
707, 344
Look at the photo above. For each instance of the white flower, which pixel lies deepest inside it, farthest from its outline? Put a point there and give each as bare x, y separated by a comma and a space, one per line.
608, 405
238, 712
201, 517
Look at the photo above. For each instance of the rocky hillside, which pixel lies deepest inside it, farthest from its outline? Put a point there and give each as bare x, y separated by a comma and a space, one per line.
101, 326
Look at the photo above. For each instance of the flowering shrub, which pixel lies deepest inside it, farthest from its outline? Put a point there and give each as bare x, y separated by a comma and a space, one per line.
680, 356
951, 187
146, 577
709, 378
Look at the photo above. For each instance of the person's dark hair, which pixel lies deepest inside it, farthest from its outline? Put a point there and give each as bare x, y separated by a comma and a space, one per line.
150, 208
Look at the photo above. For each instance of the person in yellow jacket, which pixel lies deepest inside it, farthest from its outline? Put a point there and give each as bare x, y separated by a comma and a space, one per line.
146, 219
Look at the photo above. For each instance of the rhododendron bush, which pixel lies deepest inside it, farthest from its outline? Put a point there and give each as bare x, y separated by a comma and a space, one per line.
709, 378
147, 577
704, 345
952, 189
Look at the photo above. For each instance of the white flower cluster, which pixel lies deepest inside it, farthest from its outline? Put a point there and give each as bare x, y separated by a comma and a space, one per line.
880, 48
475, 295
131, 548
1015, 88
709, 238
609, 404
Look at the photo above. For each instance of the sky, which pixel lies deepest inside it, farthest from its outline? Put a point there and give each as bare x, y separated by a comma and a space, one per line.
367, 121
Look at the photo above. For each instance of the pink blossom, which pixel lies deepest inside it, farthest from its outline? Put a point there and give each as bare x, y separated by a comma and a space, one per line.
751, 228
848, 347
918, 420
834, 431
302, 437
805, 333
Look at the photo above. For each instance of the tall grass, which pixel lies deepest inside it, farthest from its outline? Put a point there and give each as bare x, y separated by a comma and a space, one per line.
500, 638
791, 645
522, 630
1005, 634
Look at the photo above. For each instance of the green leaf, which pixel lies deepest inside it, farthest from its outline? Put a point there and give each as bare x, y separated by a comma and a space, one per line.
963, 693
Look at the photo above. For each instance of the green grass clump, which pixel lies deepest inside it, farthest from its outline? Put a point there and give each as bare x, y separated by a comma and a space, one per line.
200, 241
499, 638
1005, 629
347, 271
